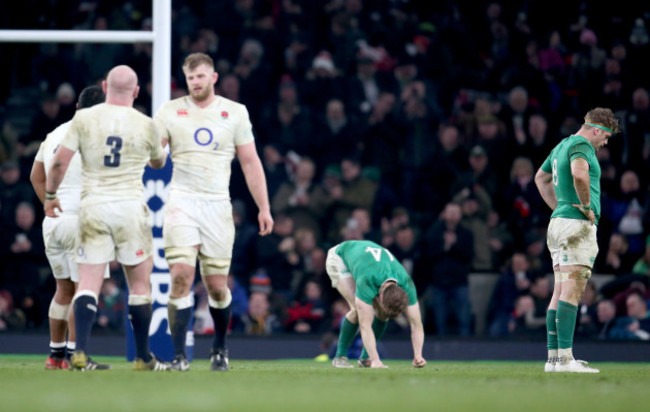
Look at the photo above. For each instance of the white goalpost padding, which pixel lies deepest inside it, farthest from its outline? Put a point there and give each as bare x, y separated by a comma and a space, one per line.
160, 38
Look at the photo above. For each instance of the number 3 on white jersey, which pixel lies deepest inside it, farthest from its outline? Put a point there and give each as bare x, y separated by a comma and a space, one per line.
376, 253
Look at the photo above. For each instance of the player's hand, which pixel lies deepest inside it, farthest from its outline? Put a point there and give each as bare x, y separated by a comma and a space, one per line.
51, 207
266, 223
589, 214
377, 364
419, 362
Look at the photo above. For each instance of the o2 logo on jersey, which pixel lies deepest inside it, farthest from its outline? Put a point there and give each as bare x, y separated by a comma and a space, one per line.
203, 137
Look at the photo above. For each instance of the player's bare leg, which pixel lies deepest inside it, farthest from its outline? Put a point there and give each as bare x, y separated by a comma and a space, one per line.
179, 311
58, 318
219, 301
91, 277
140, 311
349, 325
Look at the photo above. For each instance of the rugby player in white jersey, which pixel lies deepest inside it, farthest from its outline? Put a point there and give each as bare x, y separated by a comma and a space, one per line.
205, 132
59, 235
115, 142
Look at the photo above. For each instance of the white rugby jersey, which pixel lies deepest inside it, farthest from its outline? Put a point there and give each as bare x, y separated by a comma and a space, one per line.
202, 143
69, 192
115, 143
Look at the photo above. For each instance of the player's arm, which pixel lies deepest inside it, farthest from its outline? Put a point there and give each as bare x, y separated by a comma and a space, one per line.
366, 314
57, 171
256, 181
544, 182
581, 182
417, 334
38, 177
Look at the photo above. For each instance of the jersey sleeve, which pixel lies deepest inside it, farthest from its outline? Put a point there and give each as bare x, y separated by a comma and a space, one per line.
411, 292
579, 150
547, 166
365, 291
160, 123
244, 133
39, 155
157, 151
71, 139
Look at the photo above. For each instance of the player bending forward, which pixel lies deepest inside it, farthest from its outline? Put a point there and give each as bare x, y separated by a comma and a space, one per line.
377, 288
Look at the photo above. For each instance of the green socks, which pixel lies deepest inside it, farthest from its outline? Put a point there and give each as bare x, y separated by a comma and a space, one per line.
346, 336
551, 329
566, 324
378, 327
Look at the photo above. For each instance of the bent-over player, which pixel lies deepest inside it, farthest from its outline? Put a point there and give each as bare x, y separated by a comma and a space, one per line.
377, 288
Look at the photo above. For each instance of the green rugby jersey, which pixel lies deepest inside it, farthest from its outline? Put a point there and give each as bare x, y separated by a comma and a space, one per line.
558, 163
371, 265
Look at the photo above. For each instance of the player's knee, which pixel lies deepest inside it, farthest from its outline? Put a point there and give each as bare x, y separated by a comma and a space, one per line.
186, 255
214, 266
58, 311
220, 299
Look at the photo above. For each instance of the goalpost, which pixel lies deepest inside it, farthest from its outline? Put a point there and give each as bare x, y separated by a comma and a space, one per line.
159, 37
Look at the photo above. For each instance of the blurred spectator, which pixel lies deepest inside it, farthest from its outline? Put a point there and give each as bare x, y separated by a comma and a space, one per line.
337, 136
301, 199
10, 317
258, 320
514, 282
539, 145
587, 324
606, 311
277, 256
244, 249
522, 199
623, 212
500, 240
239, 303
618, 259
479, 174
111, 307
450, 248
526, 322
13, 191
476, 206
636, 325
307, 314
274, 168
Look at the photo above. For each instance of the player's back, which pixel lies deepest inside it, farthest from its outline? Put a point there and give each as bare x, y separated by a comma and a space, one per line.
69, 192
203, 144
115, 143
371, 265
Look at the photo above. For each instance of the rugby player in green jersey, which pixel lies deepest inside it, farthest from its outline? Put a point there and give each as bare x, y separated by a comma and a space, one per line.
569, 182
377, 288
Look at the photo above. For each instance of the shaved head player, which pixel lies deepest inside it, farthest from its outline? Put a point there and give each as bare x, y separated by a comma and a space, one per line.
115, 142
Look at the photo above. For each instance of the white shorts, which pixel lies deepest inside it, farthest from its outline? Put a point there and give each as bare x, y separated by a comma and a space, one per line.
335, 267
198, 222
572, 242
60, 237
115, 230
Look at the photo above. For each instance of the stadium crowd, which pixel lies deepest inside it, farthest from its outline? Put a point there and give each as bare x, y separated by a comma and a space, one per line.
418, 125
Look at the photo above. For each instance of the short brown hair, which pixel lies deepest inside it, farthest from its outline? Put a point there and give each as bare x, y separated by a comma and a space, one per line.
194, 60
603, 117
394, 301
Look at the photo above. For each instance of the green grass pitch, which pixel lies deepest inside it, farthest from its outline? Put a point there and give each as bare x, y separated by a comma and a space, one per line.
307, 385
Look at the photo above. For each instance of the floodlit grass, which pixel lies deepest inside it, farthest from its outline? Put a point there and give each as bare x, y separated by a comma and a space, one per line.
306, 385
